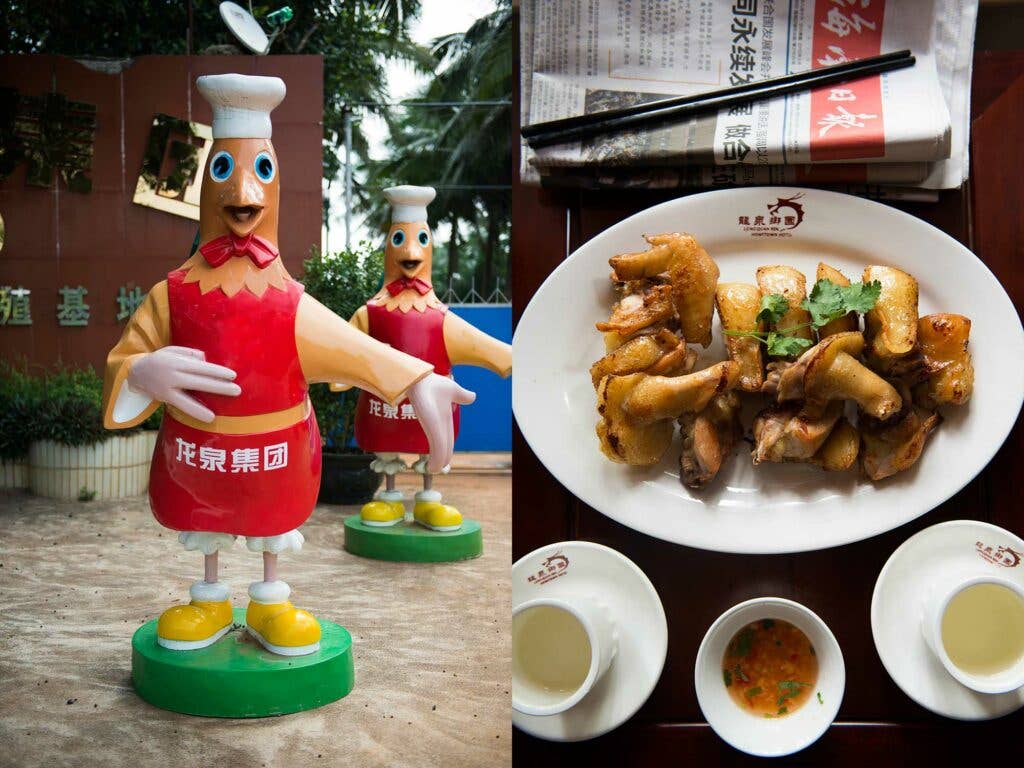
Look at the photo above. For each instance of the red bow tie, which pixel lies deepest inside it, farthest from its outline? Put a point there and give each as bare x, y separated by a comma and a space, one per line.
260, 250
397, 286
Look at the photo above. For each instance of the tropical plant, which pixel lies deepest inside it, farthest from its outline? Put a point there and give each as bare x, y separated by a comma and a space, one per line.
355, 37
464, 150
63, 405
342, 282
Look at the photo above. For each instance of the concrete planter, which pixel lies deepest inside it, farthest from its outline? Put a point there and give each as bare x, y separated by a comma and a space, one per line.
13, 473
115, 468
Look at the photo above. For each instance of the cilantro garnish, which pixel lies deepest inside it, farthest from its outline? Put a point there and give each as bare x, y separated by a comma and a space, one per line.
783, 710
820, 700
826, 303
829, 301
773, 307
727, 676
750, 693
789, 689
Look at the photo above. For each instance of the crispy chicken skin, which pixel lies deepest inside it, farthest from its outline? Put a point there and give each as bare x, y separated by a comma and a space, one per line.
894, 446
891, 327
738, 305
949, 373
792, 284
708, 439
692, 274
637, 311
839, 451
831, 371
622, 439
783, 432
662, 353
655, 398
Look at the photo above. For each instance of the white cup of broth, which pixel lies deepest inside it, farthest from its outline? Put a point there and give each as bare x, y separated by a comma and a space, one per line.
560, 649
976, 629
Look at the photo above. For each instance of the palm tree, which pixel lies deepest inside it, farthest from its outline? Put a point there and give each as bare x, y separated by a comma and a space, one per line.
465, 151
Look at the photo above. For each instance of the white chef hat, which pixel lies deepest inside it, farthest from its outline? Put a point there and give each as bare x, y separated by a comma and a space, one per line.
241, 104
409, 203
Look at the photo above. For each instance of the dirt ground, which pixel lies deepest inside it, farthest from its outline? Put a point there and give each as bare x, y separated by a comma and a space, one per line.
431, 642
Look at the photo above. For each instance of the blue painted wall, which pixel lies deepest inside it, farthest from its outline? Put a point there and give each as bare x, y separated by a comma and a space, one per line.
486, 424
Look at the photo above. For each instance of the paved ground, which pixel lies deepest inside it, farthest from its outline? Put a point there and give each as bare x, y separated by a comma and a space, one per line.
431, 642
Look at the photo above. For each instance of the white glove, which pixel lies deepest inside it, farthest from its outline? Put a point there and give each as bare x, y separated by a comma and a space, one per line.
166, 374
432, 398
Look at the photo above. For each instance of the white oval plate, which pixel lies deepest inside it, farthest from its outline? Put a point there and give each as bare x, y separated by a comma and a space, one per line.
770, 508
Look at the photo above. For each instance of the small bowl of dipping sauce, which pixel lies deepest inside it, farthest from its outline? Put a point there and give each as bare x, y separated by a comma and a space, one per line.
769, 676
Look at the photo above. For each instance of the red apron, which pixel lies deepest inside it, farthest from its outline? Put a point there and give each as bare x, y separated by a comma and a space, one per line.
261, 484
382, 428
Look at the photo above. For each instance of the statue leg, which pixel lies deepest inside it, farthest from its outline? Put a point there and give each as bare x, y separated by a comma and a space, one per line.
276, 624
388, 507
207, 617
428, 509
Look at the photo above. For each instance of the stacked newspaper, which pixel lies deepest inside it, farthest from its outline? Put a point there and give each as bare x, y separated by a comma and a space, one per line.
904, 129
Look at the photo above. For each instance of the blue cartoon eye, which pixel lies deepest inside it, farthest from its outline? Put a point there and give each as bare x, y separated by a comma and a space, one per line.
424, 238
398, 238
221, 166
264, 166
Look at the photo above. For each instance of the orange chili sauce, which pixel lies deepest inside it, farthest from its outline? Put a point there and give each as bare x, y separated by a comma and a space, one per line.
770, 668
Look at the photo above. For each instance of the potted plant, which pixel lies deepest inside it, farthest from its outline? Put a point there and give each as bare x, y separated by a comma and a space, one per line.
342, 282
71, 455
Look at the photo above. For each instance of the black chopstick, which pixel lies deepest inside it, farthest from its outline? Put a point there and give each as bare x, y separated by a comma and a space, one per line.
684, 107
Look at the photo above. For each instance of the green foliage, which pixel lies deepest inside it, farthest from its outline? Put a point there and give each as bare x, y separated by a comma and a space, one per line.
20, 395
84, 494
63, 405
355, 37
465, 151
342, 282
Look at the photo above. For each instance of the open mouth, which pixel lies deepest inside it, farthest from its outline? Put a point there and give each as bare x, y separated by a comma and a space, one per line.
410, 264
242, 214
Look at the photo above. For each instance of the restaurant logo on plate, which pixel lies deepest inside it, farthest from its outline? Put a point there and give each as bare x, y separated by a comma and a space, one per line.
781, 216
554, 566
1004, 556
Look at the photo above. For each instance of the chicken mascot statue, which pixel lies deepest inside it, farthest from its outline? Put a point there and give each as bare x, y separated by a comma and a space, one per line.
407, 315
228, 343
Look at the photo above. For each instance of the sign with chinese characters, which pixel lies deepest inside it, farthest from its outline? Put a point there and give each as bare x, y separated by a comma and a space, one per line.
72, 309
237, 461
175, 156
382, 410
128, 300
845, 30
14, 306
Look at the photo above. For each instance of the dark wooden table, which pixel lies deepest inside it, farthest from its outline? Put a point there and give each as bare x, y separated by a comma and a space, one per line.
877, 723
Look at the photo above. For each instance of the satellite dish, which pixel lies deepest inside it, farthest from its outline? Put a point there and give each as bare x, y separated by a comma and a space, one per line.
245, 27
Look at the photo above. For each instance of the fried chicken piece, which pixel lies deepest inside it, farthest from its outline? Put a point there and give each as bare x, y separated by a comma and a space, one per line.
786, 433
656, 398
622, 439
738, 305
830, 371
708, 439
893, 446
890, 327
661, 353
692, 274
791, 284
839, 451
946, 364
637, 311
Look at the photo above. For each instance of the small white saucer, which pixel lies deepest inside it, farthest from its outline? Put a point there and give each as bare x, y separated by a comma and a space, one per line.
584, 568
896, 607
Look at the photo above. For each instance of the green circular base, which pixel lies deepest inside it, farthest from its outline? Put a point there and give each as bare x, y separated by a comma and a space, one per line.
410, 542
237, 677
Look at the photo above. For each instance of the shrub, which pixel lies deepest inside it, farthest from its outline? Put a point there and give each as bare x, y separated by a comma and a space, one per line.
63, 405
342, 282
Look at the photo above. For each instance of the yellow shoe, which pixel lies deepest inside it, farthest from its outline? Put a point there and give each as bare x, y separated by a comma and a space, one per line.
430, 512
386, 509
279, 626
202, 622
